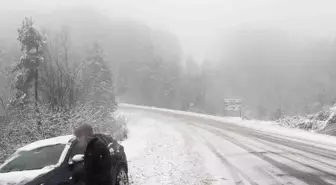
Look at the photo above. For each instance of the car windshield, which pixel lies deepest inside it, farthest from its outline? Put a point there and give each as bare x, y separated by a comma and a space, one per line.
34, 159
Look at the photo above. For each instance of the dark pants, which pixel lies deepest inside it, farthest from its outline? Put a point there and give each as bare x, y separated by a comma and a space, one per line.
100, 180
80, 176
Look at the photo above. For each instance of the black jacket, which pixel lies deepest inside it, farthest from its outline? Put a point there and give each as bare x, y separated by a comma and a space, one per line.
97, 161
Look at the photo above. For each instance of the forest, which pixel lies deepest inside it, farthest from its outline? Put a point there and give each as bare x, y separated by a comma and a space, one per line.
275, 73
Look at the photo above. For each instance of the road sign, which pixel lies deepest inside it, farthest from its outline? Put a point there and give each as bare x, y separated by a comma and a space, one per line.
232, 104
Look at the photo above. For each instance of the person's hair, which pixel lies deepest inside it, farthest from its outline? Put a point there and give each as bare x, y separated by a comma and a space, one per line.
84, 129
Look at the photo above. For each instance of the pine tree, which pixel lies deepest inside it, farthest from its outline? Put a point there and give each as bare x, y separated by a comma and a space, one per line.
31, 42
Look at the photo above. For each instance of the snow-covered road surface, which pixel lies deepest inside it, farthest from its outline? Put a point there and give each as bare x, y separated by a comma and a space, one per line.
159, 152
166, 149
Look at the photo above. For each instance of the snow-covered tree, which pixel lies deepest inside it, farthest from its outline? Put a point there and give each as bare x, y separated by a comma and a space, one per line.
31, 42
98, 80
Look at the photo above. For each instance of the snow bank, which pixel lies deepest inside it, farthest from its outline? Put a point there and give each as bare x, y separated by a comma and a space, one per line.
322, 122
264, 126
329, 126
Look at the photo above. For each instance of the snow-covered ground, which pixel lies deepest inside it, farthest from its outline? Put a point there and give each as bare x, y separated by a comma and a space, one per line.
174, 147
167, 147
164, 152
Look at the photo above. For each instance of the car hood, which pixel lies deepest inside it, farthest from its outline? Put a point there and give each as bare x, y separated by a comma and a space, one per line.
21, 177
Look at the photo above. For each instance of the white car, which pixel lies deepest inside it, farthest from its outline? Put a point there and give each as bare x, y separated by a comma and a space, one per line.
50, 162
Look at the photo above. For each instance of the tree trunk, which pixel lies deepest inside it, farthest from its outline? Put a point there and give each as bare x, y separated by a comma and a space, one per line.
4, 106
36, 87
36, 81
36, 92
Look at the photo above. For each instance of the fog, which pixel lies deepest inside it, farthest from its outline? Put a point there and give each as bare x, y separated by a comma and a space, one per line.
200, 87
198, 23
277, 56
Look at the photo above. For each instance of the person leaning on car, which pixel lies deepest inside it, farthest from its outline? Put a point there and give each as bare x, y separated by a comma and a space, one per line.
97, 159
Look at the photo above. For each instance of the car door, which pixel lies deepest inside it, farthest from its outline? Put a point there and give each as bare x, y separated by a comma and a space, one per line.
60, 176
64, 175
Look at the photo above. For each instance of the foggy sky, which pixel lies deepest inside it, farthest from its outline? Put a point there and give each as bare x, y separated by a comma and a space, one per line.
197, 23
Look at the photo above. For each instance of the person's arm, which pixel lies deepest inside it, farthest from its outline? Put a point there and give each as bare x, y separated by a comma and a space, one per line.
105, 155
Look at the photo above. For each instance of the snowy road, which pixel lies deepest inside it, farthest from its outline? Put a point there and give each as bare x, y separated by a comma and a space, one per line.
165, 149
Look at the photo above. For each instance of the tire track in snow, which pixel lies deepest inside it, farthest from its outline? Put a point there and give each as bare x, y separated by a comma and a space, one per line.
308, 178
289, 158
235, 172
280, 140
279, 144
299, 155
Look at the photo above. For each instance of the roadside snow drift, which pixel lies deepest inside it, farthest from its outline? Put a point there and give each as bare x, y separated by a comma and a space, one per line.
322, 122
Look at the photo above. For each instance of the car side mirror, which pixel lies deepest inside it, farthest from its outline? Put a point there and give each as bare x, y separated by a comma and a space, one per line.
77, 158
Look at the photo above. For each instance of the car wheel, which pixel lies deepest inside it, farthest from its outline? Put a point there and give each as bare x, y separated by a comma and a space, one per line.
122, 177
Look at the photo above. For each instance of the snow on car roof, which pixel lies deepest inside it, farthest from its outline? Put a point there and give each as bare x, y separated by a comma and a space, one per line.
47, 142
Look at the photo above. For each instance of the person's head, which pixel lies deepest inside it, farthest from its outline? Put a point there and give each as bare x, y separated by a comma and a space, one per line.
83, 133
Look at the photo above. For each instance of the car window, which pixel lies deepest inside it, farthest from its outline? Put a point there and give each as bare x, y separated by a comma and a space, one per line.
34, 159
